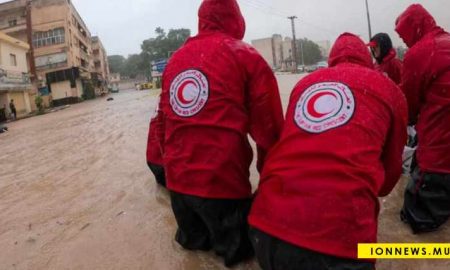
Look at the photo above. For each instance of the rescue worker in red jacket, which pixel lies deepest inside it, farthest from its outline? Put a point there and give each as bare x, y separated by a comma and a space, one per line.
216, 91
154, 152
340, 149
386, 57
426, 84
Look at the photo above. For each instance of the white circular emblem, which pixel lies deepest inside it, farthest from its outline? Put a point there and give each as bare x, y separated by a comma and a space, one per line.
324, 106
189, 93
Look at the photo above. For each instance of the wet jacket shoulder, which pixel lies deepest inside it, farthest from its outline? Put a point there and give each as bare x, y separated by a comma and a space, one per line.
341, 148
426, 84
216, 92
428, 57
392, 67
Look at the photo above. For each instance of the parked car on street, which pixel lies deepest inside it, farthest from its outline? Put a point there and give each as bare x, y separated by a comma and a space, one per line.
301, 68
322, 64
311, 68
115, 88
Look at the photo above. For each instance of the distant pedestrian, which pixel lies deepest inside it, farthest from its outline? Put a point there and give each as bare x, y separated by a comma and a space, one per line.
426, 84
386, 57
12, 107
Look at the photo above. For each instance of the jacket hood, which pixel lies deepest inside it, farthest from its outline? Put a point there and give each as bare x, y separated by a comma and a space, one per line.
385, 43
349, 48
222, 16
414, 23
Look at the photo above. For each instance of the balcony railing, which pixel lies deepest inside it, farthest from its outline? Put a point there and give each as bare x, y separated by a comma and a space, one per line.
10, 80
84, 55
13, 29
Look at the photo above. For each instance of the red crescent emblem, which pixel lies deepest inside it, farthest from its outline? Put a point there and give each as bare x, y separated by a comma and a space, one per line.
181, 90
312, 102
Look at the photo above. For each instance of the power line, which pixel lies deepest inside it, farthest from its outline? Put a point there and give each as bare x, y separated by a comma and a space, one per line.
265, 9
272, 11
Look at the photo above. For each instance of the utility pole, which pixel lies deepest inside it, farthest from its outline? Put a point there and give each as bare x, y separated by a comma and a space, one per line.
29, 32
294, 42
368, 20
303, 55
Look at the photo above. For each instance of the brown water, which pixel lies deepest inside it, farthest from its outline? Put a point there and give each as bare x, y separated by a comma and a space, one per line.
76, 193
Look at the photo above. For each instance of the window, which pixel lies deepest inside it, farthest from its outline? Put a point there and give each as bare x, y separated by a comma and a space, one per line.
48, 38
12, 22
13, 60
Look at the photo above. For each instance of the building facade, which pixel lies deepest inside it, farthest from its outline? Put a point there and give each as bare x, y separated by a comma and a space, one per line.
114, 79
325, 47
276, 51
101, 66
61, 58
14, 77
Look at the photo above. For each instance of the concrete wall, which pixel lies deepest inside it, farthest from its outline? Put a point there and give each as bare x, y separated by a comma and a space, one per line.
21, 101
5, 50
78, 91
264, 47
129, 84
4, 101
274, 50
61, 90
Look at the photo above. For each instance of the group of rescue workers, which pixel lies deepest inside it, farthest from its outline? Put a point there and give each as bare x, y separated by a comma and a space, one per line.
323, 166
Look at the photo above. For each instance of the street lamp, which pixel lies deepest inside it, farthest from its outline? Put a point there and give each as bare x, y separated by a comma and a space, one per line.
368, 19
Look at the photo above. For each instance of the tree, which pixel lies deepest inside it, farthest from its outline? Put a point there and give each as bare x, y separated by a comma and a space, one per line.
311, 52
131, 66
160, 47
164, 44
116, 63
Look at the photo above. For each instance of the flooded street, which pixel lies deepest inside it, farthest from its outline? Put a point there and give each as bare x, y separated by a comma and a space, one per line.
76, 193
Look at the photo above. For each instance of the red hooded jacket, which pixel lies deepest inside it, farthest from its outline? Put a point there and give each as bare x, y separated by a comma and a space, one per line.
216, 91
341, 148
155, 131
391, 66
426, 84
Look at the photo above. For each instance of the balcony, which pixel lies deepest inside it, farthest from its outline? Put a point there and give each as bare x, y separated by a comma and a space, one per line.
84, 55
84, 64
14, 29
14, 80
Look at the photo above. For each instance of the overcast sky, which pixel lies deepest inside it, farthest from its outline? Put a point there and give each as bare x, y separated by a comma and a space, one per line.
124, 24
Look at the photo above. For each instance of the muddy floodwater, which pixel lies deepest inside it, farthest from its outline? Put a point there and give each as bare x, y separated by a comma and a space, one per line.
76, 193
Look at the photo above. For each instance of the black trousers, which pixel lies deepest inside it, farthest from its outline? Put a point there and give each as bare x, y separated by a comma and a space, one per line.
427, 201
275, 254
217, 224
159, 173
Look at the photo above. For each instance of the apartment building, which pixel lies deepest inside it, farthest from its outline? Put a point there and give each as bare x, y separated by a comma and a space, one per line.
325, 47
61, 57
101, 66
14, 78
276, 51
